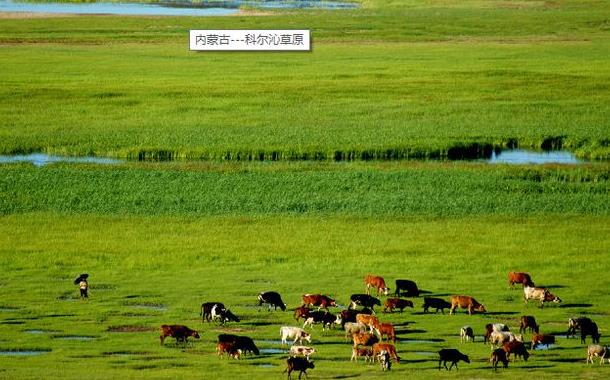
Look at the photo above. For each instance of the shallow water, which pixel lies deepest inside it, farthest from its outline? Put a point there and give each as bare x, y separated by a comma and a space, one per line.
41, 159
272, 351
22, 353
165, 8
75, 337
520, 157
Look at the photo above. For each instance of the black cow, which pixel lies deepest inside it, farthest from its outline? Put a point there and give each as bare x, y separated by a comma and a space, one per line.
327, 319
243, 343
273, 299
575, 324
364, 300
350, 315
589, 329
225, 315
436, 303
451, 355
409, 286
206, 310
297, 363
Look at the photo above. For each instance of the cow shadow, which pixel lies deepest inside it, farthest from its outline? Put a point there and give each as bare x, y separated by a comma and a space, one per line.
260, 323
576, 305
567, 360
553, 286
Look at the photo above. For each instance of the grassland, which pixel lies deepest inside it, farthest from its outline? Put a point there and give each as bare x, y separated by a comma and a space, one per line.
146, 271
391, 80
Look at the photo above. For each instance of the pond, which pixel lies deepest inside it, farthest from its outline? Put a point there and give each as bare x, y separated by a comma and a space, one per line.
522, 157
163, 8
41, 159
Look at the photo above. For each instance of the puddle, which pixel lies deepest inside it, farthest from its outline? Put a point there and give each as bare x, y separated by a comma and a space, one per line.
40, 159
266, 365
38, 331
541, 347
268, 341
522, 157
75, 337
272, 351
165, 8
23, 352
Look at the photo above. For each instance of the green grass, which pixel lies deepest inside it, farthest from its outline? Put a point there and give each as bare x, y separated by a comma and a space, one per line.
389, 81
179, 262
351, 189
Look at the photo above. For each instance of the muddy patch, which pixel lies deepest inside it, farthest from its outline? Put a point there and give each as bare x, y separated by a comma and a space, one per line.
130, 329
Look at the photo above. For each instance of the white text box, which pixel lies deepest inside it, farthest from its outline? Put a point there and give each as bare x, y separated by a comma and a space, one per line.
250, 40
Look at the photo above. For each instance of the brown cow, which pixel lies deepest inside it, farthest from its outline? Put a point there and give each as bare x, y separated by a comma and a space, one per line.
542, 339
180, 332
365, 352
229, 349
387, 329
369, 320
466, 302
301, 312
378, 347
527, 321
498, 355
376, 282
396, 303
519, 278
319, 300
364, 339
516, 347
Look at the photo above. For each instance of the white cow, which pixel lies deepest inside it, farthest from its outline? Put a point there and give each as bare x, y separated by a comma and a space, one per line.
595, 350
540, 294
501, 337
354, 328
296, 333
302, 351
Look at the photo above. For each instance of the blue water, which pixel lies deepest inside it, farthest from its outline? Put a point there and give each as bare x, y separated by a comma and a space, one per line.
520, 157
41, 159
165, 8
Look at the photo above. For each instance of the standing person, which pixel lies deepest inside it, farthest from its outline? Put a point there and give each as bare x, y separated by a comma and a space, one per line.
82, 285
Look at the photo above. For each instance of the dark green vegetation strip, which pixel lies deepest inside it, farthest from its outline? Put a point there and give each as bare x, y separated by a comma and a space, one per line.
180, 262
388, 81
430, 189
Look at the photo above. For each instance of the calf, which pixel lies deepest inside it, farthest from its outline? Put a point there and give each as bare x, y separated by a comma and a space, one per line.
364, 300
319, 300
491, 327
180, 332
517, 348
365, 352
352, 328
296, 333
223, 315
409, 286
519, 278
376, 282
595, 350
301, 312
369, 320
387, 329
466, 334
436, 303
451, 355
302, 351
273, 299
229, 349
541, 294
389, 348
527, 321
298, 364
243, 343
466, 302
396, 303
498, 355
326, 318
364, 339
206, 310
542, 339
384, 360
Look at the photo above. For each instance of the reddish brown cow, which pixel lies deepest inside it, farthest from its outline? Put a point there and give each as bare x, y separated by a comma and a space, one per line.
229, 349
519, 278
364, 339
319, 300
369, 320
378, 347
466, 302
376, 282
180, 332
543, 339
527, 321
301, 312
387, 329
396, 303
516, 347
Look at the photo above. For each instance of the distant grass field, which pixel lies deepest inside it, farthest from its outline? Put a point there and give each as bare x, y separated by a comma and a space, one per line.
388, 81
146, 271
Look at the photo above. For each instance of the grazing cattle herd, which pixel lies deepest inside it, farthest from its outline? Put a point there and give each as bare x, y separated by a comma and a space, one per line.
375, 340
